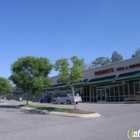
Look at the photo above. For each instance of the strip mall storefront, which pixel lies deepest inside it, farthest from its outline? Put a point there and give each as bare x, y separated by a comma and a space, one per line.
110, 83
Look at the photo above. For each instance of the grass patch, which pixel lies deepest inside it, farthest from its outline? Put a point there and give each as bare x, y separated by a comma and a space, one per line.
1, 102
56, 109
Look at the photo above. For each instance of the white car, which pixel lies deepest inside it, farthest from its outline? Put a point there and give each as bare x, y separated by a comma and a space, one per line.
68, 98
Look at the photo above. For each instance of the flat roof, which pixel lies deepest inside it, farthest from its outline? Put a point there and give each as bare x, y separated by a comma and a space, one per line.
108, 64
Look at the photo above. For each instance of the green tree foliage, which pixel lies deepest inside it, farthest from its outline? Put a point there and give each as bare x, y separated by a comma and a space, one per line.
86, 66
137, 53
116, 57
100, 61
70, 71
31, 73
5, 85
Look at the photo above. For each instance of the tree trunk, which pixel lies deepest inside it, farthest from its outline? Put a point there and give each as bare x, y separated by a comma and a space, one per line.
27, 98
73, 96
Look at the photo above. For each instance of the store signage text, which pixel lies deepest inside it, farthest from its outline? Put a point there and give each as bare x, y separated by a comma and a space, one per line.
104, 71
117, 69
128, 67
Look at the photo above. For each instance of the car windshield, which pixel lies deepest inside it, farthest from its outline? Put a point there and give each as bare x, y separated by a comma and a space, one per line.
69, 94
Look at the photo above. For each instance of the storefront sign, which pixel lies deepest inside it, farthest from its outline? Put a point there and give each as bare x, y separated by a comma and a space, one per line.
117, 69
130, 66
121, 68
104, 71
135, 65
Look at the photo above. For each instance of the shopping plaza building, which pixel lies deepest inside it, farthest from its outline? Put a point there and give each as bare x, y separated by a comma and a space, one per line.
114, 82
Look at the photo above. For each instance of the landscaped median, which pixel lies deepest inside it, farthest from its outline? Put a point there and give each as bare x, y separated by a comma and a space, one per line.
63, 111
2, 103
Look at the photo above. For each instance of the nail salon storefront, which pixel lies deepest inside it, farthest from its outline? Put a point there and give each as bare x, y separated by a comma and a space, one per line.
110, 83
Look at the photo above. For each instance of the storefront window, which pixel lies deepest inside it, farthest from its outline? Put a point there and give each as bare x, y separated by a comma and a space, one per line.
95, 99
126, 93
107, 92
85, 91
112, 94
116, 91
137, 86
88, 91
111, 91
82, 93
131, 88
121, 89
116, 94
108, 95
91, 93
121, 92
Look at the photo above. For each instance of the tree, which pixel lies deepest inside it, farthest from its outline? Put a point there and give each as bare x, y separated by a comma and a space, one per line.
86, 66
137, 53
70, 71
30, 74
100, 61
116, 57
5, 85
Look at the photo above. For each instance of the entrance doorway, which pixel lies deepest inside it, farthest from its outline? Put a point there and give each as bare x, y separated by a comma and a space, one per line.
101, 95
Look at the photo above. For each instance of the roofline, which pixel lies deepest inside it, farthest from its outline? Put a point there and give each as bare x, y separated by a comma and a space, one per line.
113, 63
138, 57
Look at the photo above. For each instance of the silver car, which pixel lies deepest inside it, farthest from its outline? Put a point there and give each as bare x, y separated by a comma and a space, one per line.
68, 98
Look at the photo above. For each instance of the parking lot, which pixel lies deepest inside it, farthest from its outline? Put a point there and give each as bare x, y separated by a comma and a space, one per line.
116, 120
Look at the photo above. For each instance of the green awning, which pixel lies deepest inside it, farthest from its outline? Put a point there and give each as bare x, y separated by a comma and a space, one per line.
47, 88
102, 80
130, 75
80, 83
58, 86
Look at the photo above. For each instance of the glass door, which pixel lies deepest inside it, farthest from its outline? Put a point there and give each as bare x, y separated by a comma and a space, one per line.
101, 95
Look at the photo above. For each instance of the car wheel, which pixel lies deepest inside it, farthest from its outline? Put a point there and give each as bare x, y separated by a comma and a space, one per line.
41, 101
54, 102
68, 102
76, 102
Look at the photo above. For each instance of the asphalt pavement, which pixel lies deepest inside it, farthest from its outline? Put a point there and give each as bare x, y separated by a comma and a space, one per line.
116, 120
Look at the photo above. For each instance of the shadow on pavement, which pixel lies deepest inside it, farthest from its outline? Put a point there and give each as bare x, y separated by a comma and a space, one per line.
33, 111
10, 106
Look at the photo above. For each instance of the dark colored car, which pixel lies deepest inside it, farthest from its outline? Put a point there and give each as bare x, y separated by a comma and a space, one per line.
46, 98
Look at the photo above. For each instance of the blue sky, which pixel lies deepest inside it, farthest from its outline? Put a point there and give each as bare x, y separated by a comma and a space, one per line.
63, 28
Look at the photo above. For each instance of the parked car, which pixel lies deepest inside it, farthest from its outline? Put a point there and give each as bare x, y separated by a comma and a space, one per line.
68, 98
46, 98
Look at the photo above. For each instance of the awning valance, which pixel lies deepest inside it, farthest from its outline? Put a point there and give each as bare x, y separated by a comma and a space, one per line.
60, 86
127, 76
102, 80
80, 83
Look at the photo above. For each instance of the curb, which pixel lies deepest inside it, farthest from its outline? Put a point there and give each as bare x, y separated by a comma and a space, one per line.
3, 103
94, 115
